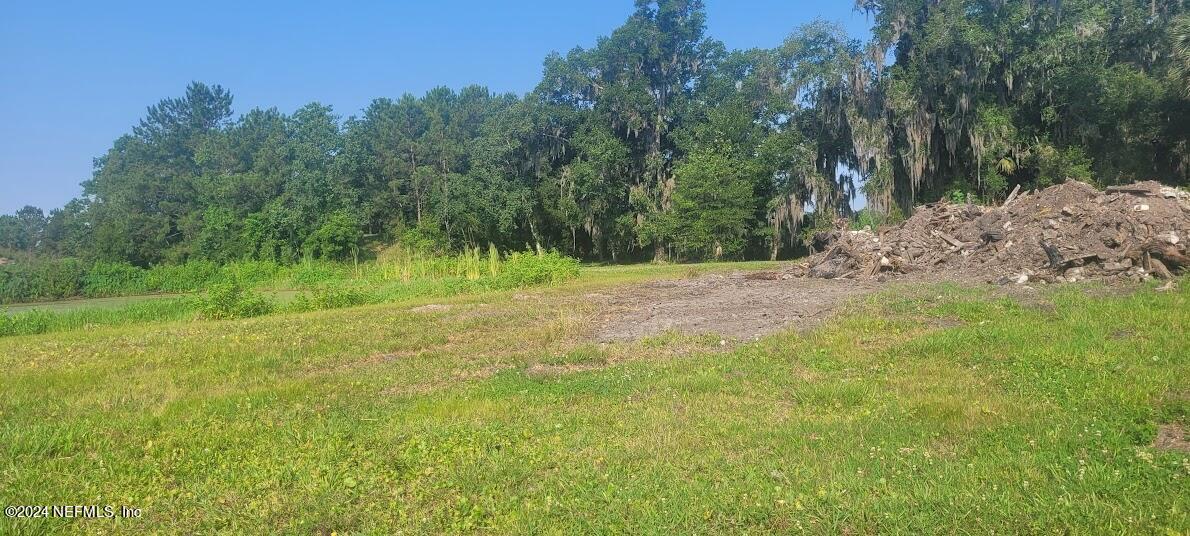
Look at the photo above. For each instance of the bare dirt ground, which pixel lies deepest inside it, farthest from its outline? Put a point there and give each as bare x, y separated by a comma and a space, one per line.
736, 305
748, 305
1065, 233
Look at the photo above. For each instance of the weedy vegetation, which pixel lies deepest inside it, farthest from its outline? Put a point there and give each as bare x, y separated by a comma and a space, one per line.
242, 290
925, 409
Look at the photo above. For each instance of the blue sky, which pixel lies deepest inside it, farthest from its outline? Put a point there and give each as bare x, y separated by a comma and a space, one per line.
76, 75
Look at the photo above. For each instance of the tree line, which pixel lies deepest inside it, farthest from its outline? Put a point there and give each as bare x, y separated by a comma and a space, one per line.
657, 142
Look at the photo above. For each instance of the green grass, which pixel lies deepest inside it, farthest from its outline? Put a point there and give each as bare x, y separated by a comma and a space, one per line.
924, 410
331, 287
33, 279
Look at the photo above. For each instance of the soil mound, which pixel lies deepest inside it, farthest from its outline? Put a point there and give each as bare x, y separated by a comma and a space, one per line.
1067, 232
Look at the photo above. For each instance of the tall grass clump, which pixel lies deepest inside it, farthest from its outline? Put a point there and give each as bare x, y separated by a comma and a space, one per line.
231, 290
37, 279
40, 321
233, 300
106, 279
331, 297
192, 276
469, 264
312, 273
527, 269
252, 273
407, 264
493, 260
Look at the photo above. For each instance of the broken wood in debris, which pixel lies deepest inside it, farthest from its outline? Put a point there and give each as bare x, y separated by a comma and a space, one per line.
1080, 260
992, 235
1012, 196
1128, 190
949, 239
1169, 253
1158, 269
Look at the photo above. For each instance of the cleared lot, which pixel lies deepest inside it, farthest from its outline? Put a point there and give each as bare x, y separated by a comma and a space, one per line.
932, 409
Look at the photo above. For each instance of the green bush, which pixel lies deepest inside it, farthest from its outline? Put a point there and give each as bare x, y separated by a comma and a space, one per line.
30, 323
44, 321
62, 279
338, 238
525, 269
233, 300
250, 272
113, 279
333, 298
31, 280
189, 277
310, 274
426, 238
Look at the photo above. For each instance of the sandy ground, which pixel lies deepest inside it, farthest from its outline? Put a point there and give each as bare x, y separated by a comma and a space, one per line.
728, 305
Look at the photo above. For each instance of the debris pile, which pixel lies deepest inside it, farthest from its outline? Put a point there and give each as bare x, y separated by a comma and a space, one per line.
1064, 233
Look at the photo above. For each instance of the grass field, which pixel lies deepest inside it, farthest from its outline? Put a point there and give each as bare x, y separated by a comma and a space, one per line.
921, 410
228, 293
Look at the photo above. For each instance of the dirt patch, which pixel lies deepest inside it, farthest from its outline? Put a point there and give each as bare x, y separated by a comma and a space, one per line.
946, 322
1064, 233
431, 308
547, 370
1172, 437
737, 305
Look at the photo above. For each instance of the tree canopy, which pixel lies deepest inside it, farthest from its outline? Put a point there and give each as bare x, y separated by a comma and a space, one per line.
658, 141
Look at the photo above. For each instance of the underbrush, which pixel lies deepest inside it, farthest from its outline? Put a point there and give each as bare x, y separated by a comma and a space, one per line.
41, 321
39, 279
233, 291
54, 279
233, 300
524, 269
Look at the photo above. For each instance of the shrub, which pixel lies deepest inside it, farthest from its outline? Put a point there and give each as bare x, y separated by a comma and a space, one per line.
250, 272
113, 279
37, 279
61, 279
44, 321
338, 237
233, 300
189, 277
525, 269
333, 298
425, 238
310, 274
30, 323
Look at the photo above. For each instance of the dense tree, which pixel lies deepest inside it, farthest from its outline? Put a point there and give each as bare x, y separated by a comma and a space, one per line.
24, 230
987, 93
637, 81
713, 204
657, 141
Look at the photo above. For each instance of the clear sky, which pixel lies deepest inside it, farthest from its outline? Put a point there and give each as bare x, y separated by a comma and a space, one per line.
76, 75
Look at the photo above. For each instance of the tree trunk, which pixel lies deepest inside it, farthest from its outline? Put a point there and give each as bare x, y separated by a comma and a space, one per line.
536, 237
413, 183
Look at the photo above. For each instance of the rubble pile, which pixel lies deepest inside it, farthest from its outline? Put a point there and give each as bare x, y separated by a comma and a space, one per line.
1064, 233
